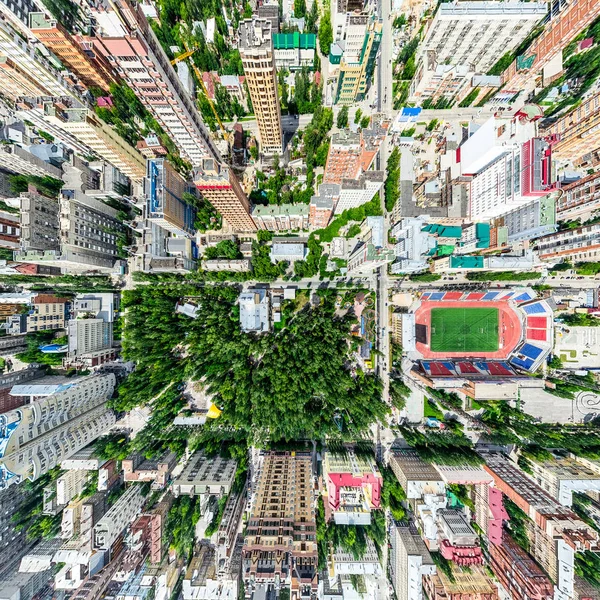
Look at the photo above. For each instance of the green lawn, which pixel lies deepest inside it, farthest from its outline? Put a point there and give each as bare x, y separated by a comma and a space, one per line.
464, 330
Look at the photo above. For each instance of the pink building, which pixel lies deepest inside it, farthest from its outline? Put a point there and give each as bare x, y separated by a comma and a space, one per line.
137, 468
353, 486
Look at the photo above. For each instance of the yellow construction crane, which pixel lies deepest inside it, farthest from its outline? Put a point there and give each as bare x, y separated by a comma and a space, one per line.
187, 54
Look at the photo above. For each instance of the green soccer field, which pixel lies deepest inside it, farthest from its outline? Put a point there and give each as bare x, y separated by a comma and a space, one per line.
464, 330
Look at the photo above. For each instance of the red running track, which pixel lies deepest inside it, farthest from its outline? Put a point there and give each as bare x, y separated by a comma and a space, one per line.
510, 324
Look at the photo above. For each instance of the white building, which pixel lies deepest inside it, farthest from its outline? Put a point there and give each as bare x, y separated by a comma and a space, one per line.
254, 311
38, 436
413, 246
356, 192
290, 252
473, 34
409, 562
121, 513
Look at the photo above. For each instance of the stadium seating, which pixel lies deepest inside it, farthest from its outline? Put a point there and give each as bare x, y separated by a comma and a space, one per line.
490, 296
537, 322
534, 309
530, 351
537, 334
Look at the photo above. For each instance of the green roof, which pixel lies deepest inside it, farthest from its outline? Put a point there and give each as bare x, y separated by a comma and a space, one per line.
466, 262
285, 41
445, 250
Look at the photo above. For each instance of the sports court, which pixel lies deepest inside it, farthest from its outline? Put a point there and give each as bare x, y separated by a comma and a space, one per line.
464, 330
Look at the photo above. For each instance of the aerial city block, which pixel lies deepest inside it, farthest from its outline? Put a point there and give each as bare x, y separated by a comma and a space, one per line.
299, 300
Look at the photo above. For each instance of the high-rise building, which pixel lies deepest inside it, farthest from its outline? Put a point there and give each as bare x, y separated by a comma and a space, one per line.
581, 244
164, 189
17, 12
16, 81
72, 119
40, 228
563, 475
38, 436
15, 159
470, 37
554, 531
124, 37
544, 55
78, 231
29, 61
110, 527
219, 185
256, 50
468, 584
518, 573
280, 543
91, 70
362, 40
580, 198
409, 562
578, 130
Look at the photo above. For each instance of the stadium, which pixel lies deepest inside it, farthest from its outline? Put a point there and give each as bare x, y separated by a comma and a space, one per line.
478, 334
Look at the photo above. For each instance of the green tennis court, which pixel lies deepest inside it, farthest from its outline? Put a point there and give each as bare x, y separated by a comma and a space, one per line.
464, 330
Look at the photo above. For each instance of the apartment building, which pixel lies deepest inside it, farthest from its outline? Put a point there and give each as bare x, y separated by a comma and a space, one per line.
218, 184
156, 471
580, 198
578, 131
544, 55
10, 231
409, 561
47, 75
166, 206
354, 486
17, 12
205, 475
581, 244
280, 543
281, 217
15, 159
13, 543
112, 525
343, 158
9, 402
88, 231
124, 37
362, 40
47, 312
356, 192
467, 38
555, 532
471, 584
518, 573
293, 51
532, 220
84, 125
321, 207
563, 475
75, 55
16, 81
40, 228
256, 51
38, 436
